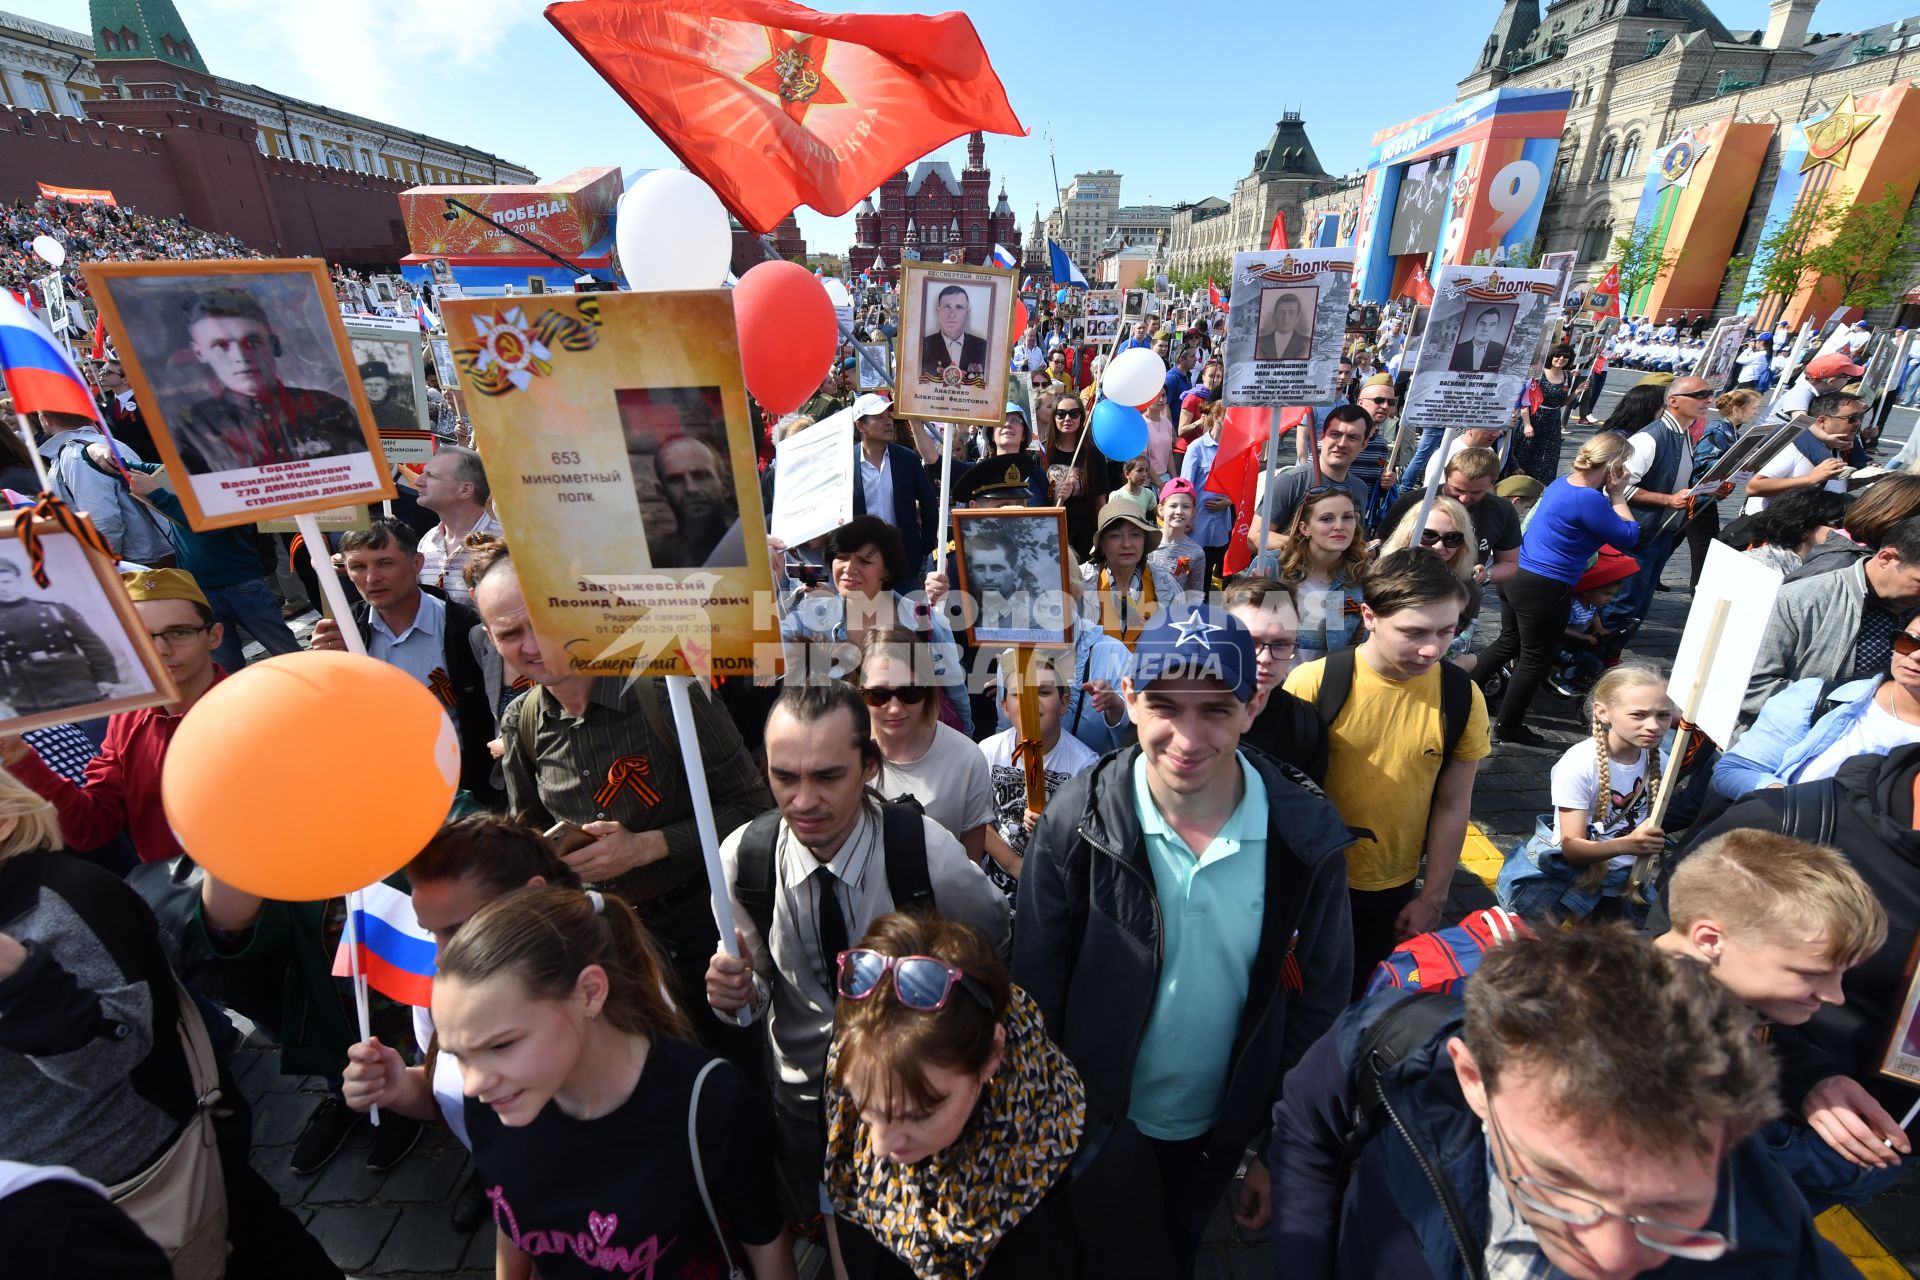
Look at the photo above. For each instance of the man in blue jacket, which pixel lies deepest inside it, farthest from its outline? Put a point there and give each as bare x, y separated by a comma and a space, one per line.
1183, 920
891, 481
1591, 1113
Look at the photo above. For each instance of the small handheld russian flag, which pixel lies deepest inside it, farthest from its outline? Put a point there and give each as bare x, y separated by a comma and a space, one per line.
40, 376
1003, 257
396, 954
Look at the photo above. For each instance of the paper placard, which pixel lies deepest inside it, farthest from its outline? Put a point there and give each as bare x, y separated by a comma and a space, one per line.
813, 478
1477, 354
1749, 587
1286, 325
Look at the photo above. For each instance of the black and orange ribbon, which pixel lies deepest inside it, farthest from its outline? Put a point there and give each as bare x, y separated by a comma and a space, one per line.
442, 686
49, 510
628, 772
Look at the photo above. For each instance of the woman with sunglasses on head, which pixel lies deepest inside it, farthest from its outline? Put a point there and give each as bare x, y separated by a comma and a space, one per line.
1536, 450
1322, 562
939, 768
958, 1140
1076, 469
1449, 535
581, 1093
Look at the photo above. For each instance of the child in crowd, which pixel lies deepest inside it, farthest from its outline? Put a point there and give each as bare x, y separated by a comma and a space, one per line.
1521, 491
1063, 756
1580, 857
1139, 474
1178, 553
1778, 922
1582, 660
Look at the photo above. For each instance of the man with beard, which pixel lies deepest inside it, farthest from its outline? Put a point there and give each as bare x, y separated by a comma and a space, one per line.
693, 481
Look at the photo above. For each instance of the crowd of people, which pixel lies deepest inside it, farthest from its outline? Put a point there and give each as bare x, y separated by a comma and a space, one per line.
968, 1028
98, 233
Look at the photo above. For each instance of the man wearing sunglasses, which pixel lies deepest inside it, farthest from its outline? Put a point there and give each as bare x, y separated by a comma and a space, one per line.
1556, 1125
1183, 921
1659, 482
1822, 455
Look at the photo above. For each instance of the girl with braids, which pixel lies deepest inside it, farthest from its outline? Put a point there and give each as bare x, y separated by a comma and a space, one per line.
1580, 857
1323, 562
582, 1091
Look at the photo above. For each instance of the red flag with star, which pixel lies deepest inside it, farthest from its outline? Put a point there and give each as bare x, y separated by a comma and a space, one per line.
1214, 298
775, 105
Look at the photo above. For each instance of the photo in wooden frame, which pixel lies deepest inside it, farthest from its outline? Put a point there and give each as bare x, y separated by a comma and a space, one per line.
1900, 1060
951, 361
247, 380
74, 649
1014, 569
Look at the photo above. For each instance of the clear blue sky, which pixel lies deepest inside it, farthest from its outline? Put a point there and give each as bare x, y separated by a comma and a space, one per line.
1175, 96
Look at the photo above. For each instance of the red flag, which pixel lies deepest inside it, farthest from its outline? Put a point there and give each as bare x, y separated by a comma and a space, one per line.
1213, 296
1237, 468
1277, 237
775, 105
1609, 289
1419, 288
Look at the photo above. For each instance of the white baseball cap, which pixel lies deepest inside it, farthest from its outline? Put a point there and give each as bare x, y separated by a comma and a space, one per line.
869, 404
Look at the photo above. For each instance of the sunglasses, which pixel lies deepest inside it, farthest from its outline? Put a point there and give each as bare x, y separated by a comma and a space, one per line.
1906, 644
1849, 417
1433, 537
1066, 413
921, 983
879, 695
1691, 395
1381, 400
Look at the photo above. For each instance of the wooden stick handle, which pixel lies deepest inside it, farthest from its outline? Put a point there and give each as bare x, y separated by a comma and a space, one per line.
1696, 692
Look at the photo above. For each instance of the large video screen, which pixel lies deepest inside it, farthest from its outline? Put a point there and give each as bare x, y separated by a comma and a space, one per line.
1424, 191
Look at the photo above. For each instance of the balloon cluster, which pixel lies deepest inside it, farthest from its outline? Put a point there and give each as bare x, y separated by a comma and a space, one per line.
1129, 384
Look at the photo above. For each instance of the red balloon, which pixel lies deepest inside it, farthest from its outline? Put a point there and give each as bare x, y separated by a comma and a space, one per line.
1019, 318
789, 335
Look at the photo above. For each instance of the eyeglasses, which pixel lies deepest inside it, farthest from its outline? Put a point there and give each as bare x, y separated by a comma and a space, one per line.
1849, 417
921, 983
177, 635
1451, 541
1695, 1244
1278, 650
878, 695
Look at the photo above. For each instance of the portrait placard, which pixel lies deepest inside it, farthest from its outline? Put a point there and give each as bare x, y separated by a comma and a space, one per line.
1135, 307
1485, 327
1013, 575
1901, 1059
1286, 324
53, 288
1723, 349
955, 343
1103, 302
621, 458
873, 365
391, 364
244, 372
1101, 328
74, 649
1561, 262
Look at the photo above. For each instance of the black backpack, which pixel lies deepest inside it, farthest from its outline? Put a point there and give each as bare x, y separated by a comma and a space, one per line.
1401, 1030
903, 838
1456, 697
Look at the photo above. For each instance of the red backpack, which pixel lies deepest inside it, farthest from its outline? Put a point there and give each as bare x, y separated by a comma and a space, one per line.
1441, 960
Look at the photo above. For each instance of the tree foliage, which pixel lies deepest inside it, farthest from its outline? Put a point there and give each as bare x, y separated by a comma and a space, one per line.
1643, 260
1866, 250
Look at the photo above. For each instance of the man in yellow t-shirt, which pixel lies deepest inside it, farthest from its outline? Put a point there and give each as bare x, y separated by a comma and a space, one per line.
1385, 768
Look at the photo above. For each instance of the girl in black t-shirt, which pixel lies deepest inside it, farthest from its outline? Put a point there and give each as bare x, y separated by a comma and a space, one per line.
579, 1084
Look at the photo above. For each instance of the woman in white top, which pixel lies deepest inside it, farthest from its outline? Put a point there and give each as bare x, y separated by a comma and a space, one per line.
465, 866
937, 768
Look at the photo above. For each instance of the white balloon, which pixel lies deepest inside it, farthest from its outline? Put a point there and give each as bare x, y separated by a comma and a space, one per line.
1134, 377
673, 233
837, 291
51, 251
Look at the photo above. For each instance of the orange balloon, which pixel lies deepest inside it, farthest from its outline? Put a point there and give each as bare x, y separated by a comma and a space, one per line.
310, 775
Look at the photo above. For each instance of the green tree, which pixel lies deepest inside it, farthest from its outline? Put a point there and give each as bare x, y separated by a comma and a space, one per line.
1779, 266
1643, 260
1866, 250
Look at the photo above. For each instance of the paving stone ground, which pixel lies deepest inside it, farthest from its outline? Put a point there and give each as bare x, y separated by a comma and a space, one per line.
395, 1225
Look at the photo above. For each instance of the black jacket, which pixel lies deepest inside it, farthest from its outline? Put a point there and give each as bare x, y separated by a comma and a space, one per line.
1866, 811
472, 711
1087, 942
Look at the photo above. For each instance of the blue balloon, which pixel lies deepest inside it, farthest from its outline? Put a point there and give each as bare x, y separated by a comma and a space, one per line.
1120, 430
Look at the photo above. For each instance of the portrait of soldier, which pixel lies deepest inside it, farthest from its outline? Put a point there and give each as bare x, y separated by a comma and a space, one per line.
390, 397
255, 419
953, 346
1286, 333
50, 659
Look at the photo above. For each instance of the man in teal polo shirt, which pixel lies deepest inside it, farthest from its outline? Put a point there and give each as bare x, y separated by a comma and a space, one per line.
1183, 921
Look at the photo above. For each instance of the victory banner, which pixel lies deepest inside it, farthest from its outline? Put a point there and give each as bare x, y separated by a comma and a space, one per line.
622, 462
1286, 321
1476, 357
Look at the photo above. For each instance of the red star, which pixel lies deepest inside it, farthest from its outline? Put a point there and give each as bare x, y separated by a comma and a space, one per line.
794, 73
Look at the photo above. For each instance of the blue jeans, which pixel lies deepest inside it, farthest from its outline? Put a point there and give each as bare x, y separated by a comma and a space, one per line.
249, 607
1624, 612
1825, 1177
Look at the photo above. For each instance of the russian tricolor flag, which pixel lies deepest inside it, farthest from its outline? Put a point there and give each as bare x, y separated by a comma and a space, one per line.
1003, 257
40, 376
428, 321
396, 954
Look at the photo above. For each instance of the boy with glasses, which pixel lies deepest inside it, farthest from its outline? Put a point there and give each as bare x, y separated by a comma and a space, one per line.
1589, 1110
123, 781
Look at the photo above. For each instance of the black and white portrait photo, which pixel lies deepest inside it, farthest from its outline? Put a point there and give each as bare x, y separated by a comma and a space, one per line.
677, 439
1013, 568
1286, 324
70, 650
388, 363
1483, 339
242, 365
